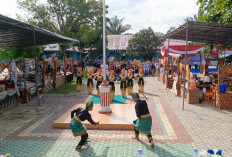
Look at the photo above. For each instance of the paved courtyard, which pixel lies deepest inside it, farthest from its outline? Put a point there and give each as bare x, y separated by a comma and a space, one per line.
26, 130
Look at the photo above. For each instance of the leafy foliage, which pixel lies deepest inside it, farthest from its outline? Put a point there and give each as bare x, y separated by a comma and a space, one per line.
215, 10
115, 26
145, 42
172, 28
79, 19
17, 53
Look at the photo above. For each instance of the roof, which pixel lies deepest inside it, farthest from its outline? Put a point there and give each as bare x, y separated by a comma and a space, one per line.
118, 42
174, 42
14, 33
206, 32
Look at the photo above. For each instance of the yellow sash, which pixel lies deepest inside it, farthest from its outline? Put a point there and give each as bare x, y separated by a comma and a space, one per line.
76, 118
145, 116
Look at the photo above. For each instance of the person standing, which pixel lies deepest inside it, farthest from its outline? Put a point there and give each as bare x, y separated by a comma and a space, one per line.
144, 122
141, 80
123, 83
79, 129
130, 82
99, 79
112, 86
79, 79
90, 81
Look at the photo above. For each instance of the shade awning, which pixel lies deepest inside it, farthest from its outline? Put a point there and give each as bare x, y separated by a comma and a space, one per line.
205, 32
14, 33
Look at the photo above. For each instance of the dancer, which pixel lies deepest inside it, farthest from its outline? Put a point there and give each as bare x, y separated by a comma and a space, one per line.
111, 83
123, 83
90, 81
79, 79
141, 80
99, 79
79, 129
144, 122
130, 82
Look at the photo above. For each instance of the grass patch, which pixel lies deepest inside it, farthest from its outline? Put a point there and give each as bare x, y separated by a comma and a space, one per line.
66, 89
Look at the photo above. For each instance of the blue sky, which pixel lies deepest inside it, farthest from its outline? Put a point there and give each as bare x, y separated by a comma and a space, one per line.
160, 15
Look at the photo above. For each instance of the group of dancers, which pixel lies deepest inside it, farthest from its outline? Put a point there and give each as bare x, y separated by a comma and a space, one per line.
144, 122
126, 84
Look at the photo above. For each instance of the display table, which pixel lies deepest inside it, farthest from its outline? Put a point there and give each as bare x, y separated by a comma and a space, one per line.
192, 96
59, 81
69, 77
176, 88
162, 78
225, 100
8, 99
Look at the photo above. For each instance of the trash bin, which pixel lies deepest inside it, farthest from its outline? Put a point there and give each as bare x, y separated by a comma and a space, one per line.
223, 87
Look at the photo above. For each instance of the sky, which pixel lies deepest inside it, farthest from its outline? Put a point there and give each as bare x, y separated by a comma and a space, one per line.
160, 15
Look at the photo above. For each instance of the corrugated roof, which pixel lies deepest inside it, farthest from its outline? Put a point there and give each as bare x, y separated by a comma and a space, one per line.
119, 42
207, 32
14, 33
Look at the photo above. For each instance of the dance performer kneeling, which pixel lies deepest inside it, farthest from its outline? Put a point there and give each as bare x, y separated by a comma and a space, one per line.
79, 129
144, 122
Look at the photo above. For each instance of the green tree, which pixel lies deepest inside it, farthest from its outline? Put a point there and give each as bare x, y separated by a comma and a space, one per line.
189, 18
115, 26
172, 28
145, 42
215, 11
73, 18
19, 53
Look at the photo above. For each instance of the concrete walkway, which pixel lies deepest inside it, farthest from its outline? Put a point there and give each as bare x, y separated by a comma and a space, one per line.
26, 130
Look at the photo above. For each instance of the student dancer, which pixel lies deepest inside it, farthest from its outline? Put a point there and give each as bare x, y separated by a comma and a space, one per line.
79, 129
111, 83
144, 122
130, 82
79, 79
99, 79
123, 86
141, 80
90, 81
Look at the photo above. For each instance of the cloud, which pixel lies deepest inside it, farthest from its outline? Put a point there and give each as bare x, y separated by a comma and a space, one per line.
160, 15
8, 8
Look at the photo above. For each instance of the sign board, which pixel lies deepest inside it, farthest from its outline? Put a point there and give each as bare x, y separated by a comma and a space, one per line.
33, 93
38, 79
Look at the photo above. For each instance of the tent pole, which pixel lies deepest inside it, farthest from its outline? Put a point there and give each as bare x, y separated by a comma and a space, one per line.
186, 49
64, 65
36, 85
168, 64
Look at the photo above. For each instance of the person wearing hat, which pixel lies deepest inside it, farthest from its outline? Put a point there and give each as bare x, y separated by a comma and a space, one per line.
99, 79
141, 80
111, 83
144, 122
79, 129
123, 86
79, 79
130, 82
90, 81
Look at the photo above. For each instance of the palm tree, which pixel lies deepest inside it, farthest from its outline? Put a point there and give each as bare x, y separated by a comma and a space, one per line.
114, 26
